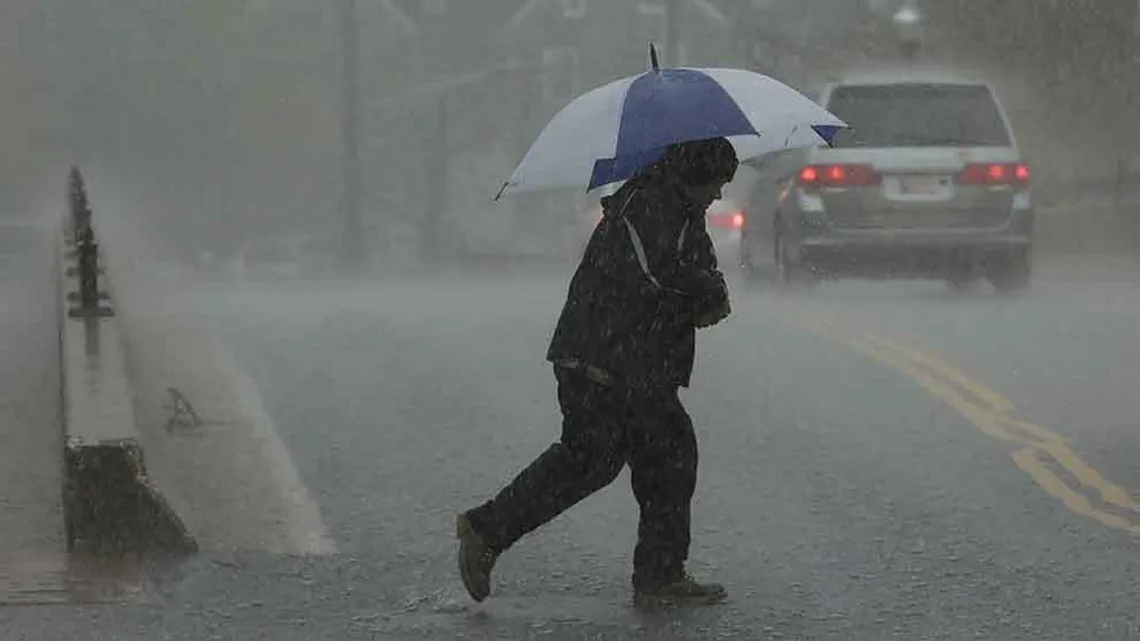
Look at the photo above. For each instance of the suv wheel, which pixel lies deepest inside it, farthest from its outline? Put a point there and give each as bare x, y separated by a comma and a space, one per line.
962, 277
789, 272
1011, 272
751, 273
753, 269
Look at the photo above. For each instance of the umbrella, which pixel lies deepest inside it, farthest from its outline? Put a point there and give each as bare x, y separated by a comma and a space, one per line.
608, 134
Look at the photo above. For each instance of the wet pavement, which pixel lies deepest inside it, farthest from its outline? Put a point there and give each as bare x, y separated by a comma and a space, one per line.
31, 525
878, 461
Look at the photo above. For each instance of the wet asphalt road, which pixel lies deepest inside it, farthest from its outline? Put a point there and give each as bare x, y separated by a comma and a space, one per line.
878, 461
31, 528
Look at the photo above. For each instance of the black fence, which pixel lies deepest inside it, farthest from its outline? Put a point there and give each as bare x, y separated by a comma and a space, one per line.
84, 251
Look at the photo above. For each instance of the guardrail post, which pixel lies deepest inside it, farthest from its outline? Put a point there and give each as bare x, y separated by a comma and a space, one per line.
87, 295
88, 271
80, 208
82, 223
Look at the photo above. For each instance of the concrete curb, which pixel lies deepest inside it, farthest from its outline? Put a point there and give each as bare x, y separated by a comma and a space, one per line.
214, 450
109, 504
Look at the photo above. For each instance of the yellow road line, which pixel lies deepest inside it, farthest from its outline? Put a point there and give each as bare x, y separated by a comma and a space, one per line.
1028, 460
991, 413
1091, 477
995, 401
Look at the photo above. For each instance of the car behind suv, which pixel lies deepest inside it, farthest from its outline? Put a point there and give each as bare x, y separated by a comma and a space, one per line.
928, 182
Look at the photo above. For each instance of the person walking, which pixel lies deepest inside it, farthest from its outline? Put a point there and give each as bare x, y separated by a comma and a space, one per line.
623, 346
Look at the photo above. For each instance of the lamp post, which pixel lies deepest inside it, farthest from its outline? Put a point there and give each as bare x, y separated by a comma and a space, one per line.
353, 237
908, 29
672, 29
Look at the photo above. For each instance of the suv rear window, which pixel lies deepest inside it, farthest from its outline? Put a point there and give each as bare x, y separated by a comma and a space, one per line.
918, 115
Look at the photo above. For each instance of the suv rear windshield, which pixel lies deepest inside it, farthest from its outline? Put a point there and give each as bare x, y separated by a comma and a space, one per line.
918, 115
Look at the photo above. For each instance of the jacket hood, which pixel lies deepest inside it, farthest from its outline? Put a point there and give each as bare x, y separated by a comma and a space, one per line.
663, 187
655, 178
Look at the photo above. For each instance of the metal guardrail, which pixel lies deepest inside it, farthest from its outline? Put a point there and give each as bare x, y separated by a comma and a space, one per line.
110, 504
84, 249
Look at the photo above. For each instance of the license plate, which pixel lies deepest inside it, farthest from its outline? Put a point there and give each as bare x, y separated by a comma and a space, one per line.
908, 220
922, 185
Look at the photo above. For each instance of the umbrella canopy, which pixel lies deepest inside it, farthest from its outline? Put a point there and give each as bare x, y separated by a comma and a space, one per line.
610, 133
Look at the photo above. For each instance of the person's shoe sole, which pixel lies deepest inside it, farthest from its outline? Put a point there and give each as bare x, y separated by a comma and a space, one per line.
478, 589
677, 601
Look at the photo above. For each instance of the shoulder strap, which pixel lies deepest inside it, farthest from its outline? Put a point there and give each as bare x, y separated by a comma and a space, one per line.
635, 240
639, 251
639, 248
681, 238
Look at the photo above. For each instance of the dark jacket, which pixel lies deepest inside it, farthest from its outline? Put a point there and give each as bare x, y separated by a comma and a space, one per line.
616, 318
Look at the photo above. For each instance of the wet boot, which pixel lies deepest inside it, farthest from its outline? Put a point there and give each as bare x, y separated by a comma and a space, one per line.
680, 592
476, 559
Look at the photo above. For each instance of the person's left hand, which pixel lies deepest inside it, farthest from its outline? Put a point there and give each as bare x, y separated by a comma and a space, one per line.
714, 316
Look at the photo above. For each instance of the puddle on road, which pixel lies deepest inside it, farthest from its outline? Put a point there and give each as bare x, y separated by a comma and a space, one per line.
39, 578
547, 614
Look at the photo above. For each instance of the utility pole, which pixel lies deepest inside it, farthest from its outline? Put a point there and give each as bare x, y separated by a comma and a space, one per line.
435, 170
672, 40
353, 232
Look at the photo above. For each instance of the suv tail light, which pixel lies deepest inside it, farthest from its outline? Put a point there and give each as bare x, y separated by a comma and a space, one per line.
995, 174
838, 176
735, 220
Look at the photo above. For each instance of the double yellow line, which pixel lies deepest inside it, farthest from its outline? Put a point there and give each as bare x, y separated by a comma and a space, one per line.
1039, 449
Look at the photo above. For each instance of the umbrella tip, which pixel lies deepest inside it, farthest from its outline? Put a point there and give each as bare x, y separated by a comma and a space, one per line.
653, 60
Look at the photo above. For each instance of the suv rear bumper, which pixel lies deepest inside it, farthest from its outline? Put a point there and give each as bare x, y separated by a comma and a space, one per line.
911, 254
916, 239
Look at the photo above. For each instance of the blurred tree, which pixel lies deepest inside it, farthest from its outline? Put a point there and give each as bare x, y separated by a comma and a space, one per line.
26, 148
204, 101
1081, 54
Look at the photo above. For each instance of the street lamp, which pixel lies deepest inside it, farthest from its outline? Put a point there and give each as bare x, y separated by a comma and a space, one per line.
909, 31
352, 239
672, 33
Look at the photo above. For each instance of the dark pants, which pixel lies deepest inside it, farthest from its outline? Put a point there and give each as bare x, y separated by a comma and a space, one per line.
603, 429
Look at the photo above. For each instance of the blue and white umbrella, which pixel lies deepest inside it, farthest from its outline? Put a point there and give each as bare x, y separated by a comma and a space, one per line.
607, 135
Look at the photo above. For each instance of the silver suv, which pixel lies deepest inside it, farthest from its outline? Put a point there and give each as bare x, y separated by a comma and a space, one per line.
927, 183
